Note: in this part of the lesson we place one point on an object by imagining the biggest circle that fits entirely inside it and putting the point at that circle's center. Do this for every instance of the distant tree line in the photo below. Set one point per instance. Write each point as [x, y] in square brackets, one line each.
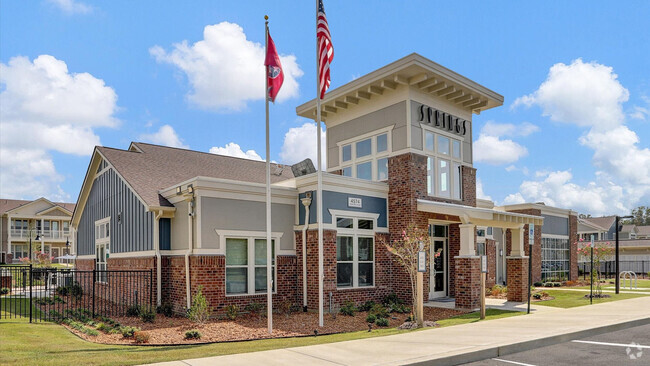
[641, 216]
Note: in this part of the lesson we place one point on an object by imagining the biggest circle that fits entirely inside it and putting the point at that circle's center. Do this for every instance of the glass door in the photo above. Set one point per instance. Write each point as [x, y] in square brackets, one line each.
[438, 263]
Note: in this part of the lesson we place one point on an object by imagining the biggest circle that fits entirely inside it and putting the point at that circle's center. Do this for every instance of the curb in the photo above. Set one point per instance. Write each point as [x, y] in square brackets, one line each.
[499, 351]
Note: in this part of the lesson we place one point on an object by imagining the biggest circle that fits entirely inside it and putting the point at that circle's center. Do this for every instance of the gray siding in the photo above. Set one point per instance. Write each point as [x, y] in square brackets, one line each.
[110, 196]
[555, 225]
[339, 201]
[229, 214]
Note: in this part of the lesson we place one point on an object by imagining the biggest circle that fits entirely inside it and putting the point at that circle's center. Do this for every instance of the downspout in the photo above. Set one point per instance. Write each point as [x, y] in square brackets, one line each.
[305, 202]
[156, 230]
[190, 250]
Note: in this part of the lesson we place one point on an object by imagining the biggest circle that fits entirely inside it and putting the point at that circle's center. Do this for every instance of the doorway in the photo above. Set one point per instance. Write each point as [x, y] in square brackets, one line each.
[439, 263]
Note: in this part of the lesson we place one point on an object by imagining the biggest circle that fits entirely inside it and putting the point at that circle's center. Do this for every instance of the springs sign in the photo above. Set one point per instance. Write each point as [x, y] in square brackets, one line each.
[442, 120]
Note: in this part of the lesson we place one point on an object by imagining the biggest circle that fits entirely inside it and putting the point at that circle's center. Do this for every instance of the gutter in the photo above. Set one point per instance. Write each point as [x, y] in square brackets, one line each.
[306, 202]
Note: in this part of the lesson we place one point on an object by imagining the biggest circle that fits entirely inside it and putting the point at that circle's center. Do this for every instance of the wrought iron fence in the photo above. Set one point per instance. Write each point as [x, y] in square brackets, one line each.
[608, 268]
[50, 293]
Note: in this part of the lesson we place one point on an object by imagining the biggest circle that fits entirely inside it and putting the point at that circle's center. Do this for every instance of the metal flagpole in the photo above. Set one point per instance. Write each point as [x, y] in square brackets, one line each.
[319, 187]
[269, 267]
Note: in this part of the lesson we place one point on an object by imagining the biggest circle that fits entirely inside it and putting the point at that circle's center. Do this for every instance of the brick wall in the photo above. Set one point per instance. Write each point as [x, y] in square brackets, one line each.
[468, 282]
[537, 245]
[173, 283]
[491, 252]
[573, 245]
[517, 274]
[85, 264]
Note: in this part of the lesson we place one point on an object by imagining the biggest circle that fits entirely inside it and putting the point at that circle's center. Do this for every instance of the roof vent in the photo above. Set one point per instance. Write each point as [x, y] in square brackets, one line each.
[303, 168]
[278, 170]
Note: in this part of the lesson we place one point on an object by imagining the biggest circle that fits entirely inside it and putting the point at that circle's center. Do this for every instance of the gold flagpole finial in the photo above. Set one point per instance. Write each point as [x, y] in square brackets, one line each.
[266, 17]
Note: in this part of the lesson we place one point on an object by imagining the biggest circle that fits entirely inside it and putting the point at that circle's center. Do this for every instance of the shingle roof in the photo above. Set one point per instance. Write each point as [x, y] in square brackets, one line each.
[643, 230]
[628, 228]
[9, 204]
[605, 222]
[157, 167]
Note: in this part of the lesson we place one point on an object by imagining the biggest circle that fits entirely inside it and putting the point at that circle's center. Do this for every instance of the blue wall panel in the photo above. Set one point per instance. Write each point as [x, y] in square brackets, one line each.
[339, 201]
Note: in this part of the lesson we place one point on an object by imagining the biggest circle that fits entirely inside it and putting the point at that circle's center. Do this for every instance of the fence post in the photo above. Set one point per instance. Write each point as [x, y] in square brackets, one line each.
[30, 293]
[94, 279]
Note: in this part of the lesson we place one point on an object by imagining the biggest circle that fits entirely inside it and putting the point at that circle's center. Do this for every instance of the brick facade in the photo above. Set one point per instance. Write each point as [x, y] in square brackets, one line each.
[573, 245]
[468, 282]
[491, 252]
[517, 277]
[537, 245]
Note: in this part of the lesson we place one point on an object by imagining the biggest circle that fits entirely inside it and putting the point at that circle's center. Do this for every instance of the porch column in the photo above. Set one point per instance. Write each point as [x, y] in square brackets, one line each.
[10, 255]
[468, 270]
[517, 264]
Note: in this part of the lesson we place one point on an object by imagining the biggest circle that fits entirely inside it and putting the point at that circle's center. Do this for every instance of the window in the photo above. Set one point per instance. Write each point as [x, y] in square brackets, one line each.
[367, 158]
[19, 251]
[555, 258]
[246, 265]
[355, 252]
[444, 165]
[102, 247]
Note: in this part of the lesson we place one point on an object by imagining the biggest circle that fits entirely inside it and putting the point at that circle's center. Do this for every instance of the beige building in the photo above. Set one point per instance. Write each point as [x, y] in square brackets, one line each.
[46, 222]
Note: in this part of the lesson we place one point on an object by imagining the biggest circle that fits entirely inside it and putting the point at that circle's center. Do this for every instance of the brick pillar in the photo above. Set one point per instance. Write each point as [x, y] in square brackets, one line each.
[491, 251]
[517, 274]
[573, 247]
[329, 266]
[468, 282]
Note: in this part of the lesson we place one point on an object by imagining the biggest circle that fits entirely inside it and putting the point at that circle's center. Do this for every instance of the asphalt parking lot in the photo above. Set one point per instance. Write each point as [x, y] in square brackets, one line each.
[625, 347]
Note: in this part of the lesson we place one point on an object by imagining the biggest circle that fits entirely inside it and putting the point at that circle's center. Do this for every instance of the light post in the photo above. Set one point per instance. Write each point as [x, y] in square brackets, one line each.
[38, 237]
[618, 228]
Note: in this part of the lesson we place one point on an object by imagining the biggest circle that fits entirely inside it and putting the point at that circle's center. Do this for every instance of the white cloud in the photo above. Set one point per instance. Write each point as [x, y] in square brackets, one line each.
[164, 136]
[479, 191]
[490, 148]
[44, 107]
[511, 168]
[508, 129]
[71, 6]
[589, 95]
[226, 70]
[301, 143]
[233, 149]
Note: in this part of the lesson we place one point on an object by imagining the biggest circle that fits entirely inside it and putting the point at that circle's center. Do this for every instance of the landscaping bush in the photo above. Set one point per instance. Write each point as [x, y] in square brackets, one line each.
[232, 311]
[62, 291]
[133, 310]
[537, 284]
[4, 291]
[399, 308]
[499, 290]
[382, 322]
[44, 301]
[548, 284]
[53, 314]
[571, 283]
[348, 308]
[128, 332]
[371, 318]
[199, 312]
[392, 298]
[166, 310]
[366, 306]
[557, 284]
[80, 327]
[58, 299]
[537, 296]
[286, 307]
[75, 290]
[147, 315]
[254, 309]
[193, 334]
[141, 337]
[379, 311]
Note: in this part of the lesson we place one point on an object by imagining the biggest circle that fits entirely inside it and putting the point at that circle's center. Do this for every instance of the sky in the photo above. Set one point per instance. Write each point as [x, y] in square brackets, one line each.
[573, 132]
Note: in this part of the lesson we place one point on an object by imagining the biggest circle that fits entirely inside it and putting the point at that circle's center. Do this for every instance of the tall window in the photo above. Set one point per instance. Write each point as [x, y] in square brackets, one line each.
[355, 252]
[366, 158]
[246, 266]
[102, 246]
[555, 258]
[443, 165]
[19, 251]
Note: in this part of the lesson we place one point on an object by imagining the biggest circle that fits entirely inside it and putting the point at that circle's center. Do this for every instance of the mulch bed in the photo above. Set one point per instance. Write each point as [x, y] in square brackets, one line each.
[171, 331]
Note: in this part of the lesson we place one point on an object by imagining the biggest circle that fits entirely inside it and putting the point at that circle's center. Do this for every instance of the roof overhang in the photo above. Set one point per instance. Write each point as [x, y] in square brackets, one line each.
[480, 216]
[590, 224]
[413, 70]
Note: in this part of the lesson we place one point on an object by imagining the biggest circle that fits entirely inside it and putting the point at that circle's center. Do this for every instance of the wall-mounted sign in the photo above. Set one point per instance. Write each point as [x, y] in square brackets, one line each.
[531, 234]
[355, 202]
[442, 120]
[422, 261]
[484, 266]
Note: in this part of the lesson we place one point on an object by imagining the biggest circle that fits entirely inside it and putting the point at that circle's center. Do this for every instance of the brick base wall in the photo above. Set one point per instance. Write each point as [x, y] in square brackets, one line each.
[573, 245]
[517, 278]
[468, 282]
[85, 264]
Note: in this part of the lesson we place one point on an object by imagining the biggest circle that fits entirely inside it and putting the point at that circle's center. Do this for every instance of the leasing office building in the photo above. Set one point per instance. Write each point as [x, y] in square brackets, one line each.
[399, 148]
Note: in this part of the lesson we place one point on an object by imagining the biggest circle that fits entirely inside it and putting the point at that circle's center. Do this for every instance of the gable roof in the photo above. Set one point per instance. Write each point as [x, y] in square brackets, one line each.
[643, 230]
[628, 228]
[148, 168]
[10, 204]
[605, 222]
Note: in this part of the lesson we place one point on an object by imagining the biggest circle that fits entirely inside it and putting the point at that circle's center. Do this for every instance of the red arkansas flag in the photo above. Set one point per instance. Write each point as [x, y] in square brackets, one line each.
[273, 69]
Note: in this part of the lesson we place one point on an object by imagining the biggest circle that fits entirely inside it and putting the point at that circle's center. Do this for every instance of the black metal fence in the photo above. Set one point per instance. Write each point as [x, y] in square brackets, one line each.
[608, 269]
[51, 293]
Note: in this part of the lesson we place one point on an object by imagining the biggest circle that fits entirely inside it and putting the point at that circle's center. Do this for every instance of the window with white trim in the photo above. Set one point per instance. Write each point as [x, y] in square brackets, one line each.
[20, 251]
[366, 158]
[102, 246]
[246, 265]
[355, 252]
[444, 164]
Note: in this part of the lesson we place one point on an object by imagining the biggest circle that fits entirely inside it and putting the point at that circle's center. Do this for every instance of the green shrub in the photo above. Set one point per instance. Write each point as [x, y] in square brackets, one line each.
[537, 296]
[254, 308]
[398, 308]
[4, 291]
[44, 301]
[199, 312]
[557, 284]
[55, 315]
[379, 311]
[371, 318]
[366, 306]
[80, 327]
[232, 311]
[128, 332]
[147, 315]
[548, 284]
[193, 334]
[381, 322]
[102, 327]
[133, 310]
[75, 290]
[62, 291]
[141, 337]
[58, 299]
[537, 284]
[348, 308]
[286, 307]
[166, 310]
[392, 298]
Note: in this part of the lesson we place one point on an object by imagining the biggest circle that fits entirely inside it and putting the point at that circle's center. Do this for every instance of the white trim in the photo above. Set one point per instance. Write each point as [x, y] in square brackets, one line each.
[101, 172]
[356, 214]
[250, 265]
[374, 133]
[89, 256]
[146, 253]
[555, 236]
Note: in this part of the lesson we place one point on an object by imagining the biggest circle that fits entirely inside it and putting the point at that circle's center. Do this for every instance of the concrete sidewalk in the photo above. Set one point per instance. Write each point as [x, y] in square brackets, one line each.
[456, 344]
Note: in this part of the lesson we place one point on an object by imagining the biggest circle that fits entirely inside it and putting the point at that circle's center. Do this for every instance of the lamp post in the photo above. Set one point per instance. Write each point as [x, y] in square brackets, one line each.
[38, 237]
[618, 228]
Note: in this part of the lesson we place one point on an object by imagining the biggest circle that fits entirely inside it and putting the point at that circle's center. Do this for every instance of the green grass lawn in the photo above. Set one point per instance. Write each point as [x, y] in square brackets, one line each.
[22, 343]
[571, 299]
[641, 284]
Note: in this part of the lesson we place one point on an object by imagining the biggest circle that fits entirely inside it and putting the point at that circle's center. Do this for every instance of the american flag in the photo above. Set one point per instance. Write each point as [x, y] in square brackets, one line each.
[325, 49]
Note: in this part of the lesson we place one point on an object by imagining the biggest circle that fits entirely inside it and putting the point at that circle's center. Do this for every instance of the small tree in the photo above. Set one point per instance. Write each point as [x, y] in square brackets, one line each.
[602, 251]
[199, 312]
[406, 249]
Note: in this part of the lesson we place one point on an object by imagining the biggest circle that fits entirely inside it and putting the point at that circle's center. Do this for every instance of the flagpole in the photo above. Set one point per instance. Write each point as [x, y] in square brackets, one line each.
[319, 187]
[269, 243]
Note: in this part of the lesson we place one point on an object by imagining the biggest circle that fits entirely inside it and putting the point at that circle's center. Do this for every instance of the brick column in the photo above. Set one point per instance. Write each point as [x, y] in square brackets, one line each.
[517, 275]
[329, 266]
[468, 282]
[573, 247]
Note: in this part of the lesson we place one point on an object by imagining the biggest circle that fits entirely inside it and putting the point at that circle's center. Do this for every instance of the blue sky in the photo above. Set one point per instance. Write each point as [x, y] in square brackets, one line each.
[574, 130]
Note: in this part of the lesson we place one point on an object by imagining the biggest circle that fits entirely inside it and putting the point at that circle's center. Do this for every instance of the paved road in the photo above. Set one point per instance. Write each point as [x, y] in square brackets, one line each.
[606, 349]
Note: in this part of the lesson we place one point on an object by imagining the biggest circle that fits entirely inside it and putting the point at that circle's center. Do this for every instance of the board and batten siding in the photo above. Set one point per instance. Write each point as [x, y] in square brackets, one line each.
[110, 196]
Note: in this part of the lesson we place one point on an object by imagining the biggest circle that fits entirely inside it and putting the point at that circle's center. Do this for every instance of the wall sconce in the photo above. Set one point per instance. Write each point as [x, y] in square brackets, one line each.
[178, 191]
[190, 189]
[500, 252]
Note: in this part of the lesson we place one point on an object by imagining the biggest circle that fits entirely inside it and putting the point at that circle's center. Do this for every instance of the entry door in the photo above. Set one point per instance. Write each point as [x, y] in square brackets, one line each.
[56, 253]
[438, 272]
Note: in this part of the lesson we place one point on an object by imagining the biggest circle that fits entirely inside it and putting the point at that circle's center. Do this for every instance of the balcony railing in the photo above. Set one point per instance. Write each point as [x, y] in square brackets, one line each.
[46, 234]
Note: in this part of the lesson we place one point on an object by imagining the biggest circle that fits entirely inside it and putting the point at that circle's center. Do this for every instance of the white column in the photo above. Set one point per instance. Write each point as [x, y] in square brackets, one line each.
[9, 251]
[467, 235]
[517, 242]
